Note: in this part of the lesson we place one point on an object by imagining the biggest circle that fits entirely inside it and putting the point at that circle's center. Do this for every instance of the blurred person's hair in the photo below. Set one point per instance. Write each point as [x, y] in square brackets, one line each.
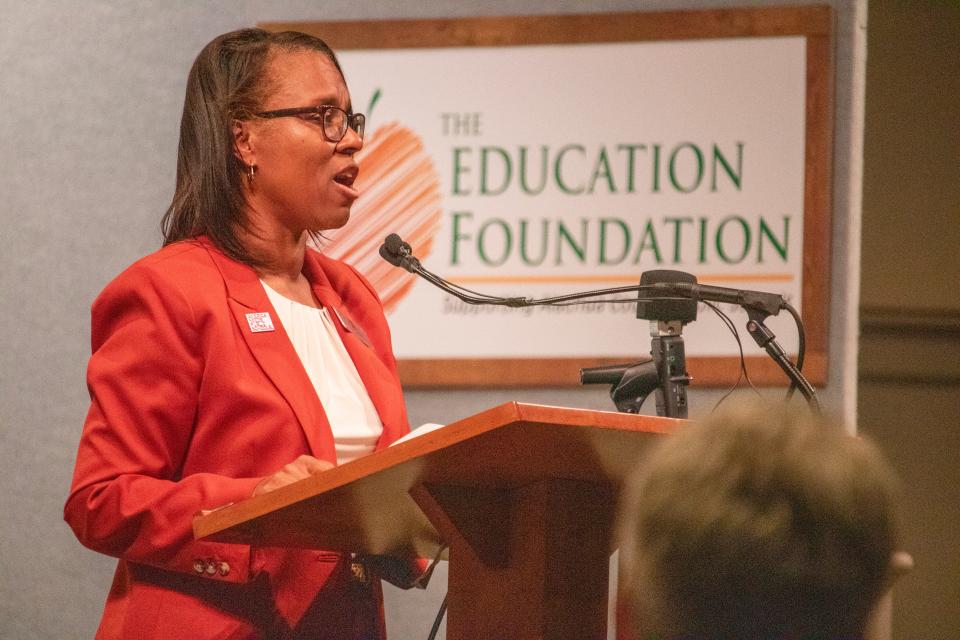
[757, 523]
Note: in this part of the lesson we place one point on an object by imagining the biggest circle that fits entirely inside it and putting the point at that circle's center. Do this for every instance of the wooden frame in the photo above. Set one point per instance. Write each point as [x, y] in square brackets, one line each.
[812, 22]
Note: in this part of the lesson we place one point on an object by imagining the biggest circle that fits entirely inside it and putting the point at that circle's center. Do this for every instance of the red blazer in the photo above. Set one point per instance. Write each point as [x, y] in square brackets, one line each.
[190, 409]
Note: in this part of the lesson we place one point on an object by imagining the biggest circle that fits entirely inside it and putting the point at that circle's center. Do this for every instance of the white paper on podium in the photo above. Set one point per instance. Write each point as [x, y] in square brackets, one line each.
[419, 431]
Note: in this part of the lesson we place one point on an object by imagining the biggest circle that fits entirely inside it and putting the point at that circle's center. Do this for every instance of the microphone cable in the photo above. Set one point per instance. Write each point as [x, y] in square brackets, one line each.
[801, 345]
[399, 253]
[438, 619]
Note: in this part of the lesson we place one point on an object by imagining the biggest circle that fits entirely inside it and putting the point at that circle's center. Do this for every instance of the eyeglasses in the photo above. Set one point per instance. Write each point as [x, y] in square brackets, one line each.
[334, 121]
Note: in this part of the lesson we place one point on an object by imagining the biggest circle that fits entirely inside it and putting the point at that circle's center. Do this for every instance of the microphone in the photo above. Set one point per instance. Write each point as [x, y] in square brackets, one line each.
[657, 293]
[655, 284]
[398, 253]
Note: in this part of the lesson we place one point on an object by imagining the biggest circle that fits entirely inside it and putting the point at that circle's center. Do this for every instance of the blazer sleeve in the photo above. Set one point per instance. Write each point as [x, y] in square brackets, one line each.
[127, 498]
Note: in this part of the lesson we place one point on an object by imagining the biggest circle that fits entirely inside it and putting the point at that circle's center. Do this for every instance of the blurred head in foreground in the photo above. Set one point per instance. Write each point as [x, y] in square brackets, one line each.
[757, 523]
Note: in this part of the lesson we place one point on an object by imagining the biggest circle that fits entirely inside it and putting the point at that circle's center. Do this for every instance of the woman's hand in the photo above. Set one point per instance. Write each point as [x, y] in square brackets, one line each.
[302, 467]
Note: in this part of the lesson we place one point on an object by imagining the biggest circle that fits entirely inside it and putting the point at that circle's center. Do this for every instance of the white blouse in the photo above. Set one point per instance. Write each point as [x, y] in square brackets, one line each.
[353, 418]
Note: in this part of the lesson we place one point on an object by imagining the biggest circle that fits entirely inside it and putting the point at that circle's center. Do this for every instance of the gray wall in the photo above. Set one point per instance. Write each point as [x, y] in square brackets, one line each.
[90, 96]
[910, 341]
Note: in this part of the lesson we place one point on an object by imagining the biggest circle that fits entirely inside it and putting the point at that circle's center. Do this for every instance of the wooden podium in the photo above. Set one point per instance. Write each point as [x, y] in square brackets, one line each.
[523, 495]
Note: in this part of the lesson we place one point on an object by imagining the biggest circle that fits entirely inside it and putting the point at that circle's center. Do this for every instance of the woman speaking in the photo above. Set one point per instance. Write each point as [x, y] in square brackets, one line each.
[236, 360]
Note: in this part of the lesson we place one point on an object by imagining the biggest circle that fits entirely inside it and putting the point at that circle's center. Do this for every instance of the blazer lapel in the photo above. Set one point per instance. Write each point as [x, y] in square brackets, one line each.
[273, 351]
[374, 374]
[377, 378]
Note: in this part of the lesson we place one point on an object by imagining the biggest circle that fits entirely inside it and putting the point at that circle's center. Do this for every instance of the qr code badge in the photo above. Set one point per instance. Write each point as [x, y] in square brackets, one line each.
[259, 322]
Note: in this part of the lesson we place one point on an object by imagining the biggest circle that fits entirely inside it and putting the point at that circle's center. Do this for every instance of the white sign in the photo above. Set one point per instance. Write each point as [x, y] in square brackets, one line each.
[542, 170]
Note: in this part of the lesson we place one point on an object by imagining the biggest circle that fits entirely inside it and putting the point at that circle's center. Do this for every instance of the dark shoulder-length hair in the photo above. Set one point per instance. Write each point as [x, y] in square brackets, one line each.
[226, 83]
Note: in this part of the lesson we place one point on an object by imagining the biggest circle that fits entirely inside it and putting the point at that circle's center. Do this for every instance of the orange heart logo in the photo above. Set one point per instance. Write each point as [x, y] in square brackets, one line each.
[399, 193]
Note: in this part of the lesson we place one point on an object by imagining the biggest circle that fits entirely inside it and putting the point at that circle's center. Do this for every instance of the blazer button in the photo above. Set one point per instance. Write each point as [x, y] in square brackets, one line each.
[199, 566]
[211, 568]
[224, 569]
